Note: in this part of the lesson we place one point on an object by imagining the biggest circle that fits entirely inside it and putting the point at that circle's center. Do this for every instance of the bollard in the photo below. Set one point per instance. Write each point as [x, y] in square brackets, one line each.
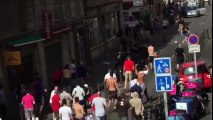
[159, 99]
[149, 114]
[207, 34]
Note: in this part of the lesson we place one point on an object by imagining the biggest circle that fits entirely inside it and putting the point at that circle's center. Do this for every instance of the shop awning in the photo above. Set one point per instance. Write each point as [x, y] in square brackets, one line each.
[26, 40]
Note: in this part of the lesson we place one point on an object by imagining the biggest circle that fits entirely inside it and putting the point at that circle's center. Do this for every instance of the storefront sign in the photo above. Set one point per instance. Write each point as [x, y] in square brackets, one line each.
[12, 58]
[47, 25]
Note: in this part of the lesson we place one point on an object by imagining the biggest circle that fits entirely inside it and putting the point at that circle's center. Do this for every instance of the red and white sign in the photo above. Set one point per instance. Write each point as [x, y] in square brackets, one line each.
[47, 25]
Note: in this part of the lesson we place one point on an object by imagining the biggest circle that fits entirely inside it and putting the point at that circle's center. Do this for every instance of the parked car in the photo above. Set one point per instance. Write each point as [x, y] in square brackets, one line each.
[187, 72]
[193, 10]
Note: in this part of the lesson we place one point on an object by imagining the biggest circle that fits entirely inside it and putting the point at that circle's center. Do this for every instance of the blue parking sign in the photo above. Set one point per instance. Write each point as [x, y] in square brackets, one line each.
[162, 66]
[163, 83]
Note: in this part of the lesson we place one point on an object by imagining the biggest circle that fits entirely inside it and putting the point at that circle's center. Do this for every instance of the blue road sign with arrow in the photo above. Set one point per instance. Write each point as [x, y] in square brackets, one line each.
[162, 66]
[163, 83]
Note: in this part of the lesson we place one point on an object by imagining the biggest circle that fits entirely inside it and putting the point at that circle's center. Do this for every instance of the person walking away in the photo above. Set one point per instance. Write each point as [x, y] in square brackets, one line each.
[79, 92]
[67, 75]
[72, 67]
[100, 104]
[82, 71]
[28, 102]
[97, 93]
[57, 76]
[78, 108]
[65, 95]
[137, 88]
[3, 108]
[122, 107]
[165, 24]
[56, 103]
[141, 72]
[107, 76]
[128, 68]
[65, 112]
[123, 44]
[136, 106]
[180, 56]
[39, 92]
[112, 86]
[52, 94]
[151, 55]
[185, 32]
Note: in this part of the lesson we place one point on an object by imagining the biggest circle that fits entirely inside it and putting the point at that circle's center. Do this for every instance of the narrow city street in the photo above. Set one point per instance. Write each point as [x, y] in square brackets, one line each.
[83, 32]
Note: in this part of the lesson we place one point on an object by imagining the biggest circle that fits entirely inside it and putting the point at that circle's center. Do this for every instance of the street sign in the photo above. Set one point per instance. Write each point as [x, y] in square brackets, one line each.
[162, 66]
[132, 21]
[163, 83]
[193, 39]
[194, 48]
[131, 18]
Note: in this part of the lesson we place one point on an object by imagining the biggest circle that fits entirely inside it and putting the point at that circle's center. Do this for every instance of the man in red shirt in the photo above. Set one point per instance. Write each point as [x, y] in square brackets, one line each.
[128, 69]
[56, 104]
[28, 101]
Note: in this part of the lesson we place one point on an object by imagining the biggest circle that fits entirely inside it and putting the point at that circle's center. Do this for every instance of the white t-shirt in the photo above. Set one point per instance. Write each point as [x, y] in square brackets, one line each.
[107, 76]
[65, 112]
[132, 82]
[78, 92]
[51, 95]
[99, 102]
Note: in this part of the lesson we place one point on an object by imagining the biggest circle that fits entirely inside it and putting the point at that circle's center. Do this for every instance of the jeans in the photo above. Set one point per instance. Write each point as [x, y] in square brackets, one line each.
[29, 113]
[100, 118]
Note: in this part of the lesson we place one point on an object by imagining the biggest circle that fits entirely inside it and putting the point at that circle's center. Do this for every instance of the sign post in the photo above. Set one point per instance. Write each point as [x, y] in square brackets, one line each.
[194, 47]
[163, 78]
[132, 25]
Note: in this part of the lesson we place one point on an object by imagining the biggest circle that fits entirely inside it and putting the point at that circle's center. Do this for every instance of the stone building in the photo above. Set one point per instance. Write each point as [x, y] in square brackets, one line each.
[50, 33]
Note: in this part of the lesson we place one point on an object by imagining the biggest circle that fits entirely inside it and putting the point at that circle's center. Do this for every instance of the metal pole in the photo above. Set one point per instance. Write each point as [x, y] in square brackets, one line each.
[195, 61]
[165, 105]
[120, 74]
[132, 37]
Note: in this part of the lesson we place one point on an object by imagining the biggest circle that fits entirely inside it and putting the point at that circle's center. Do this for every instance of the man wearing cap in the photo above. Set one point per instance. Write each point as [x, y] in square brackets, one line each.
[128, 68]
[136, 105]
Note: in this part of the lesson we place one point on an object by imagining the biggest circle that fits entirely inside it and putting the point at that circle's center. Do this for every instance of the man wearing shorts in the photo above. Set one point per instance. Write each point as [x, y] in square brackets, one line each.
[180, 56]
[112, 87]
[128, 68]
[151, 56]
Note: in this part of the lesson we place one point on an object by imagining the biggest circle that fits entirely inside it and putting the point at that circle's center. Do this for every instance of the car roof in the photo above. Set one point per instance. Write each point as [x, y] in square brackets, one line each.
[191, 4]
[192, 64]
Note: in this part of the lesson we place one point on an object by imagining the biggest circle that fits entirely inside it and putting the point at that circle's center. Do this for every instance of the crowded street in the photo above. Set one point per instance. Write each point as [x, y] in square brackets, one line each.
[116, 79]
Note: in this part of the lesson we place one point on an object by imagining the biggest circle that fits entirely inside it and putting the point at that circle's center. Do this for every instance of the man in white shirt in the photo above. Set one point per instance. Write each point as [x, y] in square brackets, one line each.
[107, 76]
[65, 112]
[132, 83]
[79, 92]
[100, 104]
[65, 95]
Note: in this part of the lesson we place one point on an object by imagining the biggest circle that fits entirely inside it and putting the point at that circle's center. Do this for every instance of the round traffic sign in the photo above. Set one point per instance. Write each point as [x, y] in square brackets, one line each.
[193, 39]
[131, 18]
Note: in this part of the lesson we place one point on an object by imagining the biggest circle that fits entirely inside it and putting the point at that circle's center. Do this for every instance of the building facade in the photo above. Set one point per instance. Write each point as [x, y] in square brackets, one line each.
[50, 33]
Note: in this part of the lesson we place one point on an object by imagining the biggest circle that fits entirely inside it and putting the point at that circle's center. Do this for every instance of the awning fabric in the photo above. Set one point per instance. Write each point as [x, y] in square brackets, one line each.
[26, 40]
